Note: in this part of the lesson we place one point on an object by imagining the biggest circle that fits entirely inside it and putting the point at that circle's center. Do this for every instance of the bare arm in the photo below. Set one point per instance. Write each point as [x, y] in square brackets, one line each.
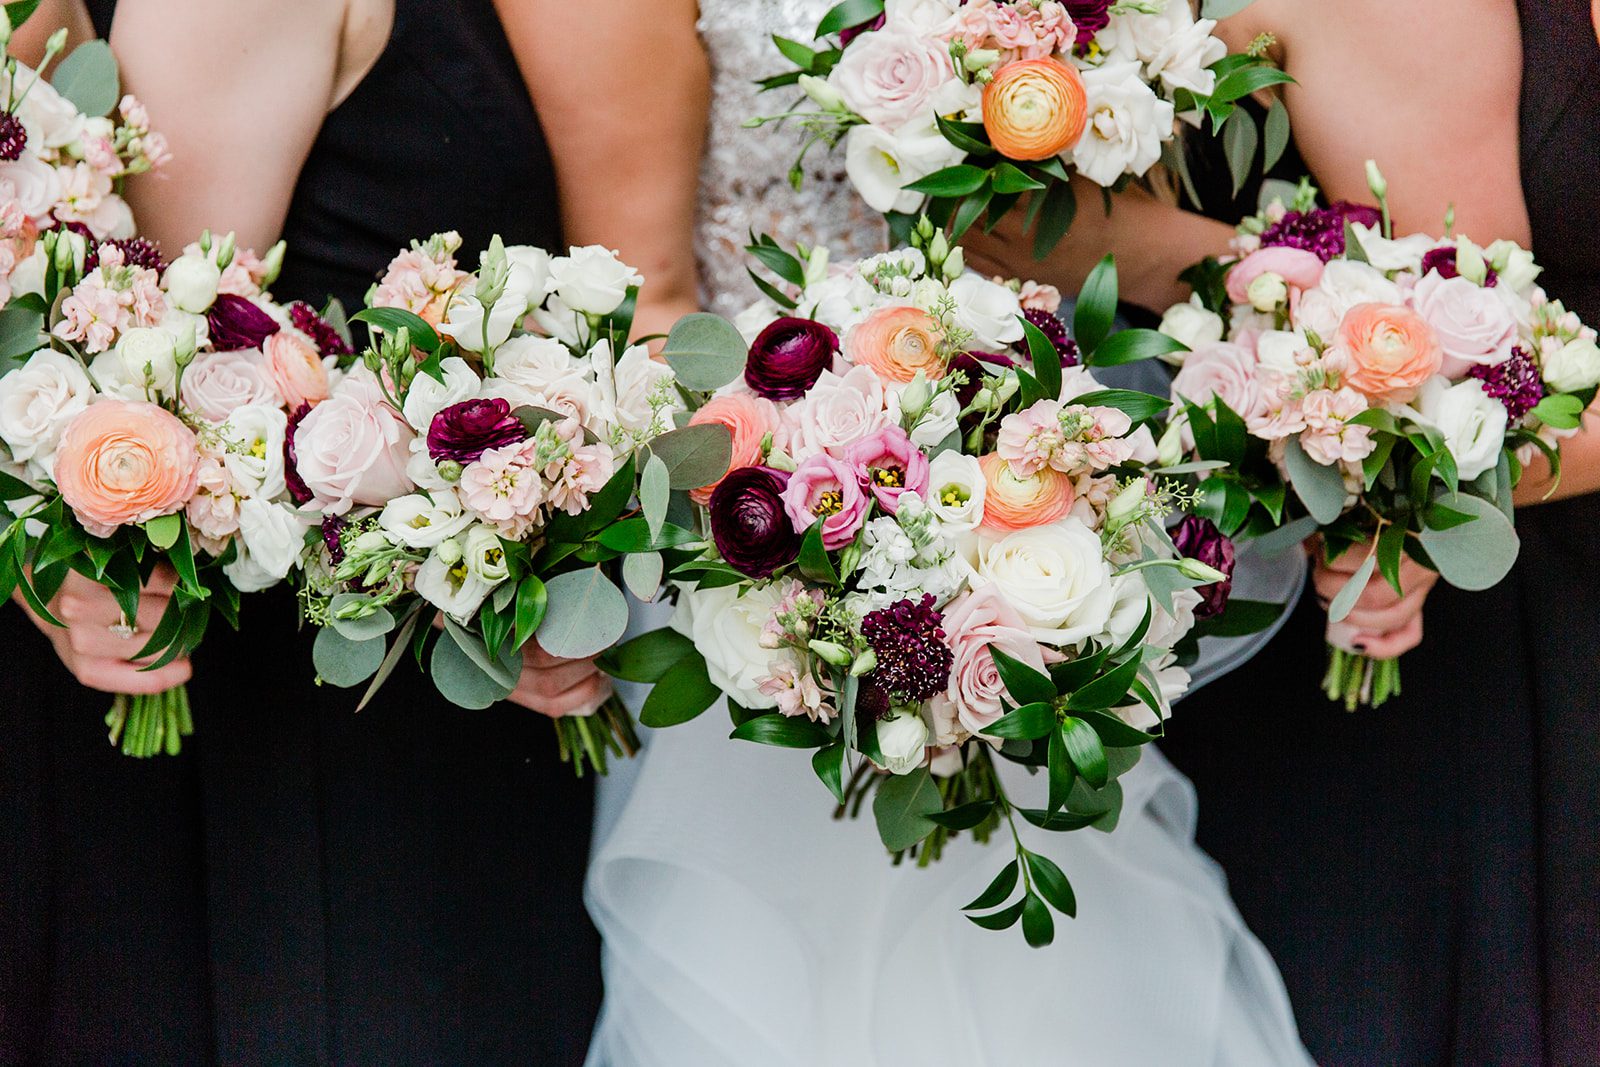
[626, 126]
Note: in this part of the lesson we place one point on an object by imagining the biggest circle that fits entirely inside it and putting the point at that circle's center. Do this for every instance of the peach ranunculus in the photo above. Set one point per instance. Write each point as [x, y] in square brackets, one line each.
[749, 419]
[124, 462]
[1034, 108]
[897, 342]
[295, 367]
[1011, 502]
[1390, 350]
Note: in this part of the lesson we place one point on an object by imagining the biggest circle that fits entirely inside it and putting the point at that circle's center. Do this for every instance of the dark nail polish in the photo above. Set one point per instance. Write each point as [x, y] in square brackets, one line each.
[1360, 646]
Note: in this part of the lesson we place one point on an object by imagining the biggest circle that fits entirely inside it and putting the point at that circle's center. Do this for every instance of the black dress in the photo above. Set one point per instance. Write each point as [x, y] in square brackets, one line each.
[304, 884]
[1427, 874]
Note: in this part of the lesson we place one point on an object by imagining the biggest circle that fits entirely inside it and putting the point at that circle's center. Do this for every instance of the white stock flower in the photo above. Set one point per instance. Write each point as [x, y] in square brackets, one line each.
[1126, 127]
[428, 396]
[591, 279]
[1056, 578]
[419, 520]
[451, 587]
[37, 401]
[990, 311]
[726, 628]
[1174, 47]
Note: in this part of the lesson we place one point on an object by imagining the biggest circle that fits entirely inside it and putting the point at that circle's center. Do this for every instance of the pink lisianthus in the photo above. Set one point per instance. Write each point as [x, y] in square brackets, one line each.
[830, 490]
[972, 700]
[1328, 437]
[1298, 268]
[796, 692]
[504, 488]
[584, 471]
[889, 464]
[213, 511]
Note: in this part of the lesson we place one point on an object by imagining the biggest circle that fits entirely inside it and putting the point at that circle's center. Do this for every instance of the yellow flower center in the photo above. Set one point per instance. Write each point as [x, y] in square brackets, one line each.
[829, 503]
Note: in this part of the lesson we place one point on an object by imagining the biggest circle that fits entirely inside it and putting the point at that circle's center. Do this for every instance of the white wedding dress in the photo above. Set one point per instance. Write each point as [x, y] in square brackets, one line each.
[744, 927]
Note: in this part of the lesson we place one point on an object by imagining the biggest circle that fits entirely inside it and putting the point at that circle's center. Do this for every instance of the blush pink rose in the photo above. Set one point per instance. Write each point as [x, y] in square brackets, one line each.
[972, 624]
[1298, 268]
[296, 368]
[1224, 371]
[889, 77]
[837, 412]
[352, 448]
[749, 418]
[218, 382]
[1474, 325]
[124, 462]
[830, 490]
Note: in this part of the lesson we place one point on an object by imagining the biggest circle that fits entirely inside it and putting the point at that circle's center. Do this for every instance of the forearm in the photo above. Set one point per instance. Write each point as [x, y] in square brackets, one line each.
[27, 43]
[1580, 467]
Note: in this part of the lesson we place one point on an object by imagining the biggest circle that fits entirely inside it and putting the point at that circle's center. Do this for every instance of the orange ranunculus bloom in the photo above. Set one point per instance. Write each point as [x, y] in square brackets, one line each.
[1014, 503]
[896, 342]
[1392, 350]
[1034, 108]
[123, 462]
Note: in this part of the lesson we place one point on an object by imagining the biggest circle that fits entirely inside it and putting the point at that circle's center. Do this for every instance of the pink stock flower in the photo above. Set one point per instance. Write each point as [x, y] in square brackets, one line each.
[830, 490]
[1019, 31]
[1029, 439]
[504, 488]
[1036, 297]
[420, 282]
[972, 624]
[1298, 268]
[796, 692]
[1068, 438]
[109, 300]
[584, 471]
[889, 464]
[1328, 438]
[213, 511]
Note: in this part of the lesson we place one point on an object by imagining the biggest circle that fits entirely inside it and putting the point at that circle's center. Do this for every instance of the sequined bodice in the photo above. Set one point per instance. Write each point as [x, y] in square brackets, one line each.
[744, 180]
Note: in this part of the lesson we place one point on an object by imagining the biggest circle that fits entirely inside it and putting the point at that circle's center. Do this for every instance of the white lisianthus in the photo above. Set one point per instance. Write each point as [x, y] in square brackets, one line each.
[1573, 367]
[880, 163]
[254, 436]
[1126, 127]
[191, 283]
[429, 396]
[1514, 264]
[1055, 577]
[989, 310]
[1402, 253]
[484, 555]
[956, 489]
[464, 322]
[726, 627]
[939, 418]
[1192, 324]
[27, 277]
[1472, 422]
[530, 271]
[903, 740]
[592, 279]
[755, 318]
[142, 365]
[561, 322]
[1173, 46]
[421, 469]
[269, 542]
[37, 401]
[424, 520]
[444, 581]
[624, 389]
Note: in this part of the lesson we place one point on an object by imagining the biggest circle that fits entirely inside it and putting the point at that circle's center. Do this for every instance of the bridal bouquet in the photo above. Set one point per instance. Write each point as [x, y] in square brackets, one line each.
[962, 108]
[144, 420]
[478, 462]
[1397, 386]
[933, 544]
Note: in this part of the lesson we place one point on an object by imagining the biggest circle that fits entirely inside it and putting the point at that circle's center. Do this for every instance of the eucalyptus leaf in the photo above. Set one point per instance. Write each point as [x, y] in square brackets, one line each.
[586, 614]
[461, 680]
[1320, 488]
[88, 78]
[694, 455]
[902, 806]
[1347, 596]
[375, 624]
[1290, 535]
[655, 492]
[641, 573]
[505, 668]
[705, 351]
[342, 662]
[1475, 555]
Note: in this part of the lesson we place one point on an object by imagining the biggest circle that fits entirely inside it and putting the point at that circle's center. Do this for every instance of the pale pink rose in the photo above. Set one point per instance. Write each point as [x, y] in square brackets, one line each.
[296, 368]
[1474, 325]
[214, 509]
[1298, 268]
[125, 462]
[583, 473]
[1328, 438]
[837, 412]
[749, 419]
[830, 490]
[1036, 297]
[1224, 371]
[796, 692]
[504, 488]
[218, 382]
[353, 447]
[972, 624]
[889, 77]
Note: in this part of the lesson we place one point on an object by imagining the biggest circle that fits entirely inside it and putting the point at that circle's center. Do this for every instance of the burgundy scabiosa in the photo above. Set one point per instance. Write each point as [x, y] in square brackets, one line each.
[13, 137]
[298, 490]
[1321, 231]
[1514, 382]
[321, 332]
[332, 530]
[1198, 538]
[908, 639]
[788, 357]
[872, 701]
[463, 432]
[1054, 329]
[1443, 260]
[749, 523]
[136, 252]
[237, 324]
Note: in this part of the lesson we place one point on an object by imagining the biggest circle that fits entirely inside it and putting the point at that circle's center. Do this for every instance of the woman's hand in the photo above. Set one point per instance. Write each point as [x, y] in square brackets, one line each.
[557, 687]
[1383, 624]
[93, 651]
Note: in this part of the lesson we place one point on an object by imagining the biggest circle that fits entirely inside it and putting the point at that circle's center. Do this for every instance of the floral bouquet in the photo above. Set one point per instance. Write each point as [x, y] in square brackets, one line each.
[933, 545]
[962, 108]
[1397, 386]
[144, 420]
[480, 461]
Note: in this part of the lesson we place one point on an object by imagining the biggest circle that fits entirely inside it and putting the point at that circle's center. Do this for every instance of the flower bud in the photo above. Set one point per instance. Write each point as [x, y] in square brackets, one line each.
[865, 663]
[831, 652]
[816, 266]
[955, 264]
[272, 264]
[1267, 291]
[980, 59]
[914, 400]
[903, 741]
[450, 470]
[1128, 503]
[191, 283]
[371, 541]
[1375, 180]
[938, 248]
[225, 250]
[449, 552]
[1470, 263]
[1193, 568]
[1169, 450]
[779, 460]
[822, 94]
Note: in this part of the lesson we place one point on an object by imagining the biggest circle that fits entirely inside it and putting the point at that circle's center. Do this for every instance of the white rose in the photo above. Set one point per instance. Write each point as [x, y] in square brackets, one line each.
[464, 322]
[956, 489]
[592, 279]
[50, 119]
[33, 184]
[218, 382]
[540, 372]
[879, 163]
[1345, 283]
[451, 587]
[254, 436]
[990, 311]
[270, 538]
[1127, 125]
[1514, 264]
[143, 362]
[1055, 577]
[1404, 253]
[530, 270]
[889, 77]
[1472, 422]
[1192, 324]
[919, 16]
[1573, 367]
[726, 628]
[484, 555]
[37, 400]
[1174, 47]
[27, 277]
[191, 283]
[416, 521]
[903, 740]
[428, 396]
[623, 389]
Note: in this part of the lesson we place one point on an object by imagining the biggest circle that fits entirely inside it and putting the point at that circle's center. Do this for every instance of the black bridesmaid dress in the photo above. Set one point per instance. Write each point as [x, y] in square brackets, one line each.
[1427, 874]
[305, 884]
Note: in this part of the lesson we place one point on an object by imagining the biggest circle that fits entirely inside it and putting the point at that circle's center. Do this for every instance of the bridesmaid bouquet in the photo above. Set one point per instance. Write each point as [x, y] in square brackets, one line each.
[1397, 386]
[479, 463]
[961, 108]
[933, 544]
[144, 420]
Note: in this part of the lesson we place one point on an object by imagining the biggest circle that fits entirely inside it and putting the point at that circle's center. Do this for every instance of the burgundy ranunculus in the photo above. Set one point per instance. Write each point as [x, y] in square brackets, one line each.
[236, 324]
[1443, 260]
[298, 491]
[465, 431]
[1198, 538]
[749, 524]
[788, 357]
[1089, 16]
